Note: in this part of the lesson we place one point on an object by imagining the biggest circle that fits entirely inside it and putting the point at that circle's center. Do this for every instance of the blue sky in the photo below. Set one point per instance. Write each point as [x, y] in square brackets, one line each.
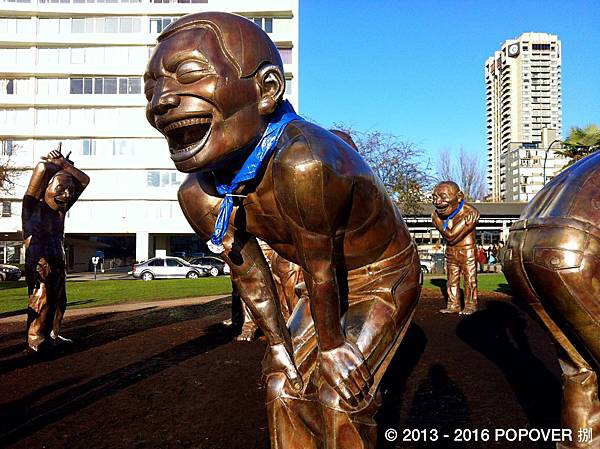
[415, 68]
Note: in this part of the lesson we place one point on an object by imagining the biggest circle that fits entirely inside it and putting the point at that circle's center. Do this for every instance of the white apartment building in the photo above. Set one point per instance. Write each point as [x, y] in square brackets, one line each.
[71, 71]
[523, 110]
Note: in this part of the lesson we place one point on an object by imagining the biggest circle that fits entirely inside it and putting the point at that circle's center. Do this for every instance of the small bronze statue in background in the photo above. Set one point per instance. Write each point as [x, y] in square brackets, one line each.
[456, 221]
[54, 187]
[552, 260]
[215, 86]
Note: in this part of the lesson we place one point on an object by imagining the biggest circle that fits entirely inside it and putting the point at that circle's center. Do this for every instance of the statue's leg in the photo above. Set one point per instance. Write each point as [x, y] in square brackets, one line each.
[347, 430]
[59, 292]
[580, 409]
[39, 314]
[469, 269]
[453, 287]
[249, 327]
[381, 303]
[295, 420]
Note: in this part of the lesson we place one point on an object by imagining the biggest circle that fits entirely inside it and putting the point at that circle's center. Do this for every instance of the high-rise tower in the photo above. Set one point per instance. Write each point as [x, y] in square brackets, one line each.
[523, 115]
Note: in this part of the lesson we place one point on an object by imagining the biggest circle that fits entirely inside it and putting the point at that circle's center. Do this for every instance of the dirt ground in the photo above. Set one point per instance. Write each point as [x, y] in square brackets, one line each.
[173, 377]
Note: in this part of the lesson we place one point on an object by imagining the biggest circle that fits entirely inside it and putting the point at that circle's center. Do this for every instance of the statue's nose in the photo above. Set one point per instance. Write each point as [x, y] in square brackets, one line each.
[165, 101]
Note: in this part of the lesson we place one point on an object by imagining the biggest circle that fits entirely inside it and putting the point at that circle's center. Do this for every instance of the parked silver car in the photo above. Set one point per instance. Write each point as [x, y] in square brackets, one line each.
[9, 273]
[214, 265]
[167, 267]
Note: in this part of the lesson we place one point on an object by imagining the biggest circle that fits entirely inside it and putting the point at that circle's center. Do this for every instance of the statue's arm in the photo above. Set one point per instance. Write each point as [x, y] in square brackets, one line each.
[250, 274]
[461, 227]
[42, 173]
[48, 167]
[314, 200]
[464, 227]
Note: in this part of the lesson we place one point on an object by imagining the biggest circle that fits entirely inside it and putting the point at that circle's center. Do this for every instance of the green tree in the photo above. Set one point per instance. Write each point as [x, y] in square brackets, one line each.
[581, 142]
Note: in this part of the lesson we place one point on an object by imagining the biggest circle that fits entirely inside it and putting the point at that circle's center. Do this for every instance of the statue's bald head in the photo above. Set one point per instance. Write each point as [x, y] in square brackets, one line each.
[451, 184]
[244, 43]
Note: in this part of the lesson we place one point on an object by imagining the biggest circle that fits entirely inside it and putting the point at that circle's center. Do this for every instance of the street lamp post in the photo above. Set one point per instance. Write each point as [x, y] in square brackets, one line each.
[546, 157]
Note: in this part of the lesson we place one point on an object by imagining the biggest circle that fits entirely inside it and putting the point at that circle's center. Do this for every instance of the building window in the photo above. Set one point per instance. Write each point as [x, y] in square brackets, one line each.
[158, 24]
[266, 23]
[106, 85]
[6, 212]
[14, 86]
[540, 46]
[7, 148]
[286, 55]
[156, 178]
[123, 148]
[88, 148]
[76, 86]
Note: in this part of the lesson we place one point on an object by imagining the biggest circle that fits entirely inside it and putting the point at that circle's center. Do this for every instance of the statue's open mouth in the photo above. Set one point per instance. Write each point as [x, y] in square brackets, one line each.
[60, 202]
[443, 209]
[186, 137]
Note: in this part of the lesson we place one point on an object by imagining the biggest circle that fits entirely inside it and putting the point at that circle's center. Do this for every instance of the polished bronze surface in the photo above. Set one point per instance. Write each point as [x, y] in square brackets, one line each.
[456, 222]
[213, 84]
[552, 260]
[54, 187]
[288, 278]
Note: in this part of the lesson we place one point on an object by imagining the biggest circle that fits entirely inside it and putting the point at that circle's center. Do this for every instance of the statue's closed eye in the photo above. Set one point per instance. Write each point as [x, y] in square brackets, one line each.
[191, 71]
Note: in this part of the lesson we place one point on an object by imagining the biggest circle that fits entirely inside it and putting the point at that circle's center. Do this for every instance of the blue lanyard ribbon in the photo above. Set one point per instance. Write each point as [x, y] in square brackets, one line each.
[453, 214]
[283, 115]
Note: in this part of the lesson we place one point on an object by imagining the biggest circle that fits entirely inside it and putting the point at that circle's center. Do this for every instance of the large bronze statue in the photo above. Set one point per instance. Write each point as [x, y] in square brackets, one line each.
[552, 260]
[456, 221]
[215, 86]
[54, 187]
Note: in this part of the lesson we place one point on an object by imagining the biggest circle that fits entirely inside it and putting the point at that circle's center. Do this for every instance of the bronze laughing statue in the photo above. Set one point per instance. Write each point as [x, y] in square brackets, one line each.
[552, 260]
[54, 187]
[215, 86]
[456, 221]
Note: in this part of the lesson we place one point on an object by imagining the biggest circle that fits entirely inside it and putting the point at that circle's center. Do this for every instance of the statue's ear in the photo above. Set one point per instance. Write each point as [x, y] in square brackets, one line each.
[461, 195]
[272, 87]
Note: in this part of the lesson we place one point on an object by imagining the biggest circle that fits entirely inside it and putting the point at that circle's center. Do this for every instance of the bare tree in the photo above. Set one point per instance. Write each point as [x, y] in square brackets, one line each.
[445, 170]
[468, 172]
[398, 163]
[8, 171]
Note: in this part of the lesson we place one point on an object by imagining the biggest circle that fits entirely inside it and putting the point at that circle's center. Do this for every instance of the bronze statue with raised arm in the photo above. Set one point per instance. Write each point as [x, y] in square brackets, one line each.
[552, 260]
[54, 187]
[215, 86]
[456, 221]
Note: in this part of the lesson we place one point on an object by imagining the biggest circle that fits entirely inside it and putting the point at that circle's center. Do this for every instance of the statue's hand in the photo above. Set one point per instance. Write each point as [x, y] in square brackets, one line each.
[472, 217]
[56, 157]
[344, 368]
[278, 359]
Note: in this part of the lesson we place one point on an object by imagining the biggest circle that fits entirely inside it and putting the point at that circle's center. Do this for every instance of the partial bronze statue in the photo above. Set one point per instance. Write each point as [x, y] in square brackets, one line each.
[552, 260]
[290, 286]
[54, 187]
[215, 85]
[456, 221]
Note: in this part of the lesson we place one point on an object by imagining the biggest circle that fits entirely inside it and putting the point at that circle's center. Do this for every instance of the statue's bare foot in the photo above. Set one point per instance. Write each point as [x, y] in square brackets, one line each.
[469, 310]
[450, 310]
[248, 332]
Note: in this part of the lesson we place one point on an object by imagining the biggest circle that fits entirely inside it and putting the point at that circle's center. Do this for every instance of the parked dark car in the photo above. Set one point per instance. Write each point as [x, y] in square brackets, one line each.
[9, 273]
[214, 265]
[166, 268]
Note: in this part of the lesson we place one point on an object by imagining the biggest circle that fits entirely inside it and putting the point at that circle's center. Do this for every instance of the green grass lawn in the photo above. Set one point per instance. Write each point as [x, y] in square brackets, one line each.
[13, 295]
[486, 282]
